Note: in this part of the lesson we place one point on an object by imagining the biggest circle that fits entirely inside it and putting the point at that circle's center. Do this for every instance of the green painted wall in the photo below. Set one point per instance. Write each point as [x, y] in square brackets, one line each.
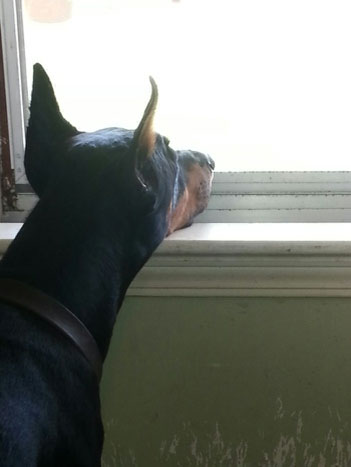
[229, 382]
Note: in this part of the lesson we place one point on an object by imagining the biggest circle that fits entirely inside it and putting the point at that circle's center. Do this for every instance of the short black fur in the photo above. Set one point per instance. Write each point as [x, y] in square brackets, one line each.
[105, 202]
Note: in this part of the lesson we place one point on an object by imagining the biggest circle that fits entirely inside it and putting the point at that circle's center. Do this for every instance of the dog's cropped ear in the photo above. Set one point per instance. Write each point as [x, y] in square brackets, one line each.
[47, 131]
[144, 138]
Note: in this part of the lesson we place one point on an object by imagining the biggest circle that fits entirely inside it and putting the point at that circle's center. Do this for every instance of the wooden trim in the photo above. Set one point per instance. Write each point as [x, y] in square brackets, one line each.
[260, 260]
[252, 260]
[8, 190]
[15, 82]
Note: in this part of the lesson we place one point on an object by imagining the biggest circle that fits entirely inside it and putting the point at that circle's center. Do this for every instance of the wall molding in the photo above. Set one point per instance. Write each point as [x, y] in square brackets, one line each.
[244, 260]
[236, 260]
[249, 281]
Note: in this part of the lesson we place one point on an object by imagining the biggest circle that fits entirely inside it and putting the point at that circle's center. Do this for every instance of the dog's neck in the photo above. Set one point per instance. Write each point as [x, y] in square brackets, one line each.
[84, 265]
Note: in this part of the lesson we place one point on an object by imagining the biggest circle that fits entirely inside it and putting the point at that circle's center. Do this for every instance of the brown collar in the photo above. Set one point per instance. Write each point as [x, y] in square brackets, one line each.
[17, 293]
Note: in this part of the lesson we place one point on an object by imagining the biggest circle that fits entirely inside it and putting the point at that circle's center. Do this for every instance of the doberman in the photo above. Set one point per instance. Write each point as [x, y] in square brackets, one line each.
[107, 199]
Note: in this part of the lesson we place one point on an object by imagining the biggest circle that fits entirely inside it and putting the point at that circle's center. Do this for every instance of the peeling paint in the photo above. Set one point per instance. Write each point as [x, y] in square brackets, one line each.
[214, 448]
[173, 446]
[280, 411]
[299, 427]
[241, 453]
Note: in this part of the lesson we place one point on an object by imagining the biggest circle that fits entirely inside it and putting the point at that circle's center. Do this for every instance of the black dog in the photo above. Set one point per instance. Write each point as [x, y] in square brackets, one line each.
[106, 200]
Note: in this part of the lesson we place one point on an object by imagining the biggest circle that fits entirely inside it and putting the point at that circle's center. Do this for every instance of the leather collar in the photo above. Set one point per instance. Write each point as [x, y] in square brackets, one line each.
[22, 295]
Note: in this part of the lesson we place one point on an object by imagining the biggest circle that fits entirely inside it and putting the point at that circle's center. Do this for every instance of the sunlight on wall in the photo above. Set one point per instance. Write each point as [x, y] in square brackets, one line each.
[258, 85]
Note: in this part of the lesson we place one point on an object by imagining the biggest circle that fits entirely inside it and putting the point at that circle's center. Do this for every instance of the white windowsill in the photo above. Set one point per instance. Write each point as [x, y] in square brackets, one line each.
[262, 232]
[297, 260]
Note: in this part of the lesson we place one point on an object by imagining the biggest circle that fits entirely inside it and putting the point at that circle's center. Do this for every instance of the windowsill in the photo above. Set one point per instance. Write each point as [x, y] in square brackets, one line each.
[244, 260]
[261, 232]
[297, 260]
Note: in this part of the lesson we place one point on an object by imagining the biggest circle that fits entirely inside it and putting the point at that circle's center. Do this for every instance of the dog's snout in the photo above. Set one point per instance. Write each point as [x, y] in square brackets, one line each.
[211, 163]
[204, 160]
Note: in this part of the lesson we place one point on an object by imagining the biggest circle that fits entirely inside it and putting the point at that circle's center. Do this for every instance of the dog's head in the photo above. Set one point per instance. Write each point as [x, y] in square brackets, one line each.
[132, 177]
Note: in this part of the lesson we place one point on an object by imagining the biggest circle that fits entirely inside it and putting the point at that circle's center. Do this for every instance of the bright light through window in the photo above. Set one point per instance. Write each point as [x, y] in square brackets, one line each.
[260, 85]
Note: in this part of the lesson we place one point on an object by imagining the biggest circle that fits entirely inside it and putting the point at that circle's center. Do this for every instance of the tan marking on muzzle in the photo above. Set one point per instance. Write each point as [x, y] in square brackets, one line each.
[194, 199]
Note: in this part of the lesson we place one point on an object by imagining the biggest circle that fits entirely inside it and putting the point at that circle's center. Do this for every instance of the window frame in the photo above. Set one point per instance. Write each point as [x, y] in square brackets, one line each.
[15, 82]
[237, 196]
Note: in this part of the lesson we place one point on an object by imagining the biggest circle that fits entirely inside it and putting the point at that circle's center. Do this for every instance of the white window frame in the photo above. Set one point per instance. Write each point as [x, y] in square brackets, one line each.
[280, 197]
[237, 196]
[15, 82]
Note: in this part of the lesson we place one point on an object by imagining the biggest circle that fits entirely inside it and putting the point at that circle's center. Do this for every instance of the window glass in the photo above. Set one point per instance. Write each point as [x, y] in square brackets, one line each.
[260, 85]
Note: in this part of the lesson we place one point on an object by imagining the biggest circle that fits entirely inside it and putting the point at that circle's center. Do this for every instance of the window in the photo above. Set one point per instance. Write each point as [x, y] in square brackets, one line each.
[261, 86]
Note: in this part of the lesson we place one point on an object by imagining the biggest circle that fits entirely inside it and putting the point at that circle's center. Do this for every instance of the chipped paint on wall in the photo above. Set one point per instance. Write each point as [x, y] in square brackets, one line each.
[189, 448]
[195, 382]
